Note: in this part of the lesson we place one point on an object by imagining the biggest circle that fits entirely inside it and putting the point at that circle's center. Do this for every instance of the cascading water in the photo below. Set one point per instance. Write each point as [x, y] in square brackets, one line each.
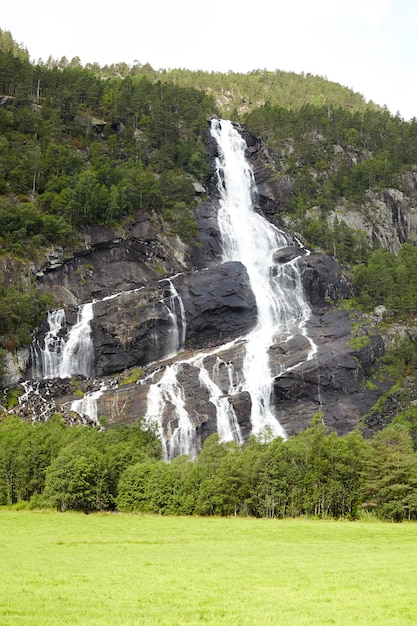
[181, 438]
[178, 325]
[249, 238]
[236, 374]
[282, 310]
[169, 391]
[46, 361]
[87, 406]
[227, 424]
[77, 356]
[65, 354]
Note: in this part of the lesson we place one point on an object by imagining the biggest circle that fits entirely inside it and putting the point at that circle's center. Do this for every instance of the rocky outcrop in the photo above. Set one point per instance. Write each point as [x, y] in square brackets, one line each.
[15, 366]
[218, 307]
[274, 189]
[333, 382]
[388, 217]
[208, 250]
[324, 279]
[135, 328]
[110, 260]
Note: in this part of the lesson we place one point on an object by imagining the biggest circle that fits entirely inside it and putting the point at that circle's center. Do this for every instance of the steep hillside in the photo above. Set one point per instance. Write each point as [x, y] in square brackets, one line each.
[108, 185]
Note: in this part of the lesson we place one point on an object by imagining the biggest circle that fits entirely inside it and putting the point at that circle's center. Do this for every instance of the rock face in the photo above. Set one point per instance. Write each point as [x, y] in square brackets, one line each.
[111, 261]
[134, 328]
[157, 303]
[324, 280]
[389, 217]
[333, 382]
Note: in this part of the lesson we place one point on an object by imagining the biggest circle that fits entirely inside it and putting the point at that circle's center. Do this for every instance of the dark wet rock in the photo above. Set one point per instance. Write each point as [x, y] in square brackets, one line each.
[109, 261]
[135, 327]
[332, 382]
[285, 255]
[324, 279]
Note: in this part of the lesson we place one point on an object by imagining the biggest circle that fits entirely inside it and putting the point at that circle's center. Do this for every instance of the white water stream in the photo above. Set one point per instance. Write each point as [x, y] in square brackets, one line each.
[88, 406]
[168, 391]
[65, 353]
[281, 304]
[68, 352]
[178, 325]
[278, 290]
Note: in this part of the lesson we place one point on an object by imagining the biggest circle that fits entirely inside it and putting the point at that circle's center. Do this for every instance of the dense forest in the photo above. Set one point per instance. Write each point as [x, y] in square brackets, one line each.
[82, 145]
[315, 473]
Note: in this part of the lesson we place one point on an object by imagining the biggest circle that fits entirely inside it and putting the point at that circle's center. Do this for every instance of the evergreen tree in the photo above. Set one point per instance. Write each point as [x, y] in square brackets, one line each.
[391, 476]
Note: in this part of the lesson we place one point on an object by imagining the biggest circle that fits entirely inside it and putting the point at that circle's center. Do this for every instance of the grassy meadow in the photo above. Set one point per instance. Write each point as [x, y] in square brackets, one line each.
[124, 569]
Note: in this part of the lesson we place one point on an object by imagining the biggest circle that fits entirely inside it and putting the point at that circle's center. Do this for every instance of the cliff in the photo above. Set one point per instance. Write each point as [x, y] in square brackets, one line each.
[159, 304]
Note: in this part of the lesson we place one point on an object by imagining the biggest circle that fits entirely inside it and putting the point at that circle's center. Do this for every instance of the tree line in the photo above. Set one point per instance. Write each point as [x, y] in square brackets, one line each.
[77, 149]
[316, 473]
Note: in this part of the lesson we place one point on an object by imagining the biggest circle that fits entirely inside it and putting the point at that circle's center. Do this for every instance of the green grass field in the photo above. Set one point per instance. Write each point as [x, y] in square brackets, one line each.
[120, 569]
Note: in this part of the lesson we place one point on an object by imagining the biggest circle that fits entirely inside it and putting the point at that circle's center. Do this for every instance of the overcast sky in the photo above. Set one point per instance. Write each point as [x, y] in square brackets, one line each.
[368, 45]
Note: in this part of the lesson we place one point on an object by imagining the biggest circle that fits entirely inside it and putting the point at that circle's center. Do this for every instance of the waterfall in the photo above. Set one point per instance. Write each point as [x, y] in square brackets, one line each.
[69, 352]
[65, 353]
[282, 311]
[87, 406]
[236, 374]
[179, 439]
[178, 325]
[249, 238]
[48, 364]
[227, 424]
[169, 392]
[77, 357]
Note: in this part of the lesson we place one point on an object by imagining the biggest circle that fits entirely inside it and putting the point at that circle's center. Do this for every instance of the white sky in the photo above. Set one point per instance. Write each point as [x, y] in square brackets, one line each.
[368, 45]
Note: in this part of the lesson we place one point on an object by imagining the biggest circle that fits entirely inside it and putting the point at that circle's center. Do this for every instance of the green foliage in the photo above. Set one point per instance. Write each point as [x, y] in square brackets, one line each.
[334, 156]
[408, 418]
[95, 151]
[77, 149]
[132, 491]
[283, 90]
[133, 376]
[316, 473]
[400, 362]
[21, 309]
[52, 464]
[358, 343]
[9, 46]
[158, 488]
[346, 244]
[11, 396]
[78, 479]
[23, 228]
[390, 280]
[391, 483]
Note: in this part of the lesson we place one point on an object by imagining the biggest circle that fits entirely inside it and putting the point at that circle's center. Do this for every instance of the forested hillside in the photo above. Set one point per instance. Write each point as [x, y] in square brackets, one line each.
[315, 473]
[78, 149]
[91, 145]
